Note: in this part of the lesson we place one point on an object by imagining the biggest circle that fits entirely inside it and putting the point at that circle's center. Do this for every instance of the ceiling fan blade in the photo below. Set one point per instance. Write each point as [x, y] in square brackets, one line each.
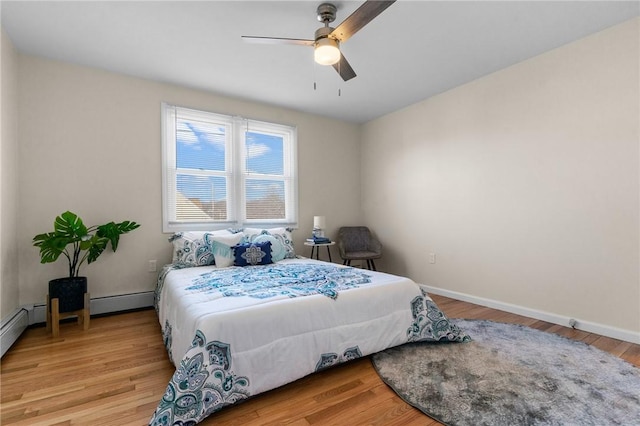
[344, 69]
[278, 40]
[358, 19]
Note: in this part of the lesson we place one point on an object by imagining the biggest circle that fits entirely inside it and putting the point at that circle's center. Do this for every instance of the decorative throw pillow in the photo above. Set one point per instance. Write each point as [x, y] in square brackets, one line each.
[252, 254]
[190, 249]
[278, 252]
[221, 246]
[283, 235]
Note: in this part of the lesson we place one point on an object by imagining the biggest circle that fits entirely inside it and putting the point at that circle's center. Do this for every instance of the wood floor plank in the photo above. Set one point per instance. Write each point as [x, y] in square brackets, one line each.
[116, 372]
[632, 355]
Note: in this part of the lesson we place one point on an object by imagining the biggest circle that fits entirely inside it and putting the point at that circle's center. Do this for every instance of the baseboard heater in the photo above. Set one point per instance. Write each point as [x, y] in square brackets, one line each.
[102, 305]
[12, 328]
[25, 316]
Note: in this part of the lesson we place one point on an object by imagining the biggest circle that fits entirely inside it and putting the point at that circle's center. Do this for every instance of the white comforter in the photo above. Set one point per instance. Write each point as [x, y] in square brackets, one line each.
[229, 342]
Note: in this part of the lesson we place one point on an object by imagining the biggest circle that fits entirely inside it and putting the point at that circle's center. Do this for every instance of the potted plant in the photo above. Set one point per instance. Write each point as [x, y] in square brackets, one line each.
[79, 244]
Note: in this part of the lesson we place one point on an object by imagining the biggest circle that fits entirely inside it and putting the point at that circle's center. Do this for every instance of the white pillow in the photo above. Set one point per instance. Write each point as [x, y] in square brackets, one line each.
[220, 246]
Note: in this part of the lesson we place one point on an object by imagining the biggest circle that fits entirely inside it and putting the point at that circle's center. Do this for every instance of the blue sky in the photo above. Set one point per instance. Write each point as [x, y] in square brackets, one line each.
[201, 146]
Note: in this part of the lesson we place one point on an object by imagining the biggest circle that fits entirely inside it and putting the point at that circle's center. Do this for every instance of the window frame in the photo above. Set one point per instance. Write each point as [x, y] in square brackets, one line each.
[235, 171]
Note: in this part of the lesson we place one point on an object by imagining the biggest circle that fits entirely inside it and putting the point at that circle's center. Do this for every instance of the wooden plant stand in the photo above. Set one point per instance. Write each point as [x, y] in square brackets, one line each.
[54, 316]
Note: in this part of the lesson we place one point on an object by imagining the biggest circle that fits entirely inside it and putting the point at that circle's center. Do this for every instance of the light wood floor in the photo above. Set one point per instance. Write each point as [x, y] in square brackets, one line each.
[116, 372]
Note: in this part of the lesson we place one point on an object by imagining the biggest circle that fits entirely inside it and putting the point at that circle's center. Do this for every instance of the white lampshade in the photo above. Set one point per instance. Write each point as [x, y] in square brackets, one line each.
[319, 222]
[326, 51]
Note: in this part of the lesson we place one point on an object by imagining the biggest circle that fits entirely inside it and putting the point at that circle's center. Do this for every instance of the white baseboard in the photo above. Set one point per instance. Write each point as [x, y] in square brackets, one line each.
[591, 327]
[12, 328]
[100, 305]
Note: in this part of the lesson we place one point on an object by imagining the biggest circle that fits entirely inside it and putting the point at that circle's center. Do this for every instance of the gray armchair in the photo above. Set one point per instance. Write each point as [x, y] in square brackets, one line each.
[357, 243]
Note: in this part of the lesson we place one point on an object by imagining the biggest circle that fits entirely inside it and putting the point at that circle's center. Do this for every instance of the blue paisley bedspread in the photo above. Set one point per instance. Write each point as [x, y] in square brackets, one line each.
[236, 332]
[290, 280]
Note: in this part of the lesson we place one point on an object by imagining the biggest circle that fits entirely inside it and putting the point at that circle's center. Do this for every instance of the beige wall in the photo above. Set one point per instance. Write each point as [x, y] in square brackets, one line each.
[90, 143]
[525, 184]
[8, 179]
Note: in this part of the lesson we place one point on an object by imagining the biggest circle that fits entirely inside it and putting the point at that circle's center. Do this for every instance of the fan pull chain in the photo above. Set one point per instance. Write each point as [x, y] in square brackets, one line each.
[314, 76]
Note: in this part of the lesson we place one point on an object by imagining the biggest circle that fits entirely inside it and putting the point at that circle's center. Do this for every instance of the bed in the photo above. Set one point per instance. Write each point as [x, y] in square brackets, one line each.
[234, 332]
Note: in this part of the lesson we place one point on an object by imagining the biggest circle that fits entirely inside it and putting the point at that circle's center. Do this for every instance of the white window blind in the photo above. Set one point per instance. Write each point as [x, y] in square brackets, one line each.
[221, 171]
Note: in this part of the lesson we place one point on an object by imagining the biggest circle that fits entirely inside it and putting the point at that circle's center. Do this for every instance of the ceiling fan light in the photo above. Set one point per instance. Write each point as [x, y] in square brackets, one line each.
[326, 51]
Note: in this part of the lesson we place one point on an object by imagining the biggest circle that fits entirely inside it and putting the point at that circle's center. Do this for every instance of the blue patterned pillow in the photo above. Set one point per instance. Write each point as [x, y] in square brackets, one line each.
[252, 254]
[278, 251]
[283, 235]
[191, 249]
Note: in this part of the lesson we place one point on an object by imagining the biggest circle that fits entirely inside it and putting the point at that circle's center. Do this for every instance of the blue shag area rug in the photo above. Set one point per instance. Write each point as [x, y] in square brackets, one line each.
[513, 375]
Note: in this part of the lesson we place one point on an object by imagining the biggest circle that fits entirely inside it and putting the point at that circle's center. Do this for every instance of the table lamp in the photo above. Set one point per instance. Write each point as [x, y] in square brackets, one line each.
[319, 224]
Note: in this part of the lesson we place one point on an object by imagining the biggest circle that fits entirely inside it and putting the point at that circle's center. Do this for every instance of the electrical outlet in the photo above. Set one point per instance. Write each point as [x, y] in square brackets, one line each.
[432, 258]
[152, 266]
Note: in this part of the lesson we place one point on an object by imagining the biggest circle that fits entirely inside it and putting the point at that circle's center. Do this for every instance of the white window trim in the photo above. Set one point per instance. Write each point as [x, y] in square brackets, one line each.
[236, 163]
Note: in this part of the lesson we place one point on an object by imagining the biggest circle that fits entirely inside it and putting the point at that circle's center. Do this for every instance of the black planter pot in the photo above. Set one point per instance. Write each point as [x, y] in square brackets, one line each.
[69, 291]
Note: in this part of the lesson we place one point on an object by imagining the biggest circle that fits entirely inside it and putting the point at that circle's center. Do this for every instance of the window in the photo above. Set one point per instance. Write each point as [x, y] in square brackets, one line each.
[221, 171]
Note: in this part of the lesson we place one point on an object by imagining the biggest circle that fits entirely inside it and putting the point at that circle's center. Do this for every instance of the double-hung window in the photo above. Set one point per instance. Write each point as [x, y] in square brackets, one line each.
[222, 171]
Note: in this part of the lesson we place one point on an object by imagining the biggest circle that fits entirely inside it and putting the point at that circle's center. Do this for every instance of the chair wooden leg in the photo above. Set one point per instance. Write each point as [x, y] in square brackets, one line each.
[373, 265]
[55, 317]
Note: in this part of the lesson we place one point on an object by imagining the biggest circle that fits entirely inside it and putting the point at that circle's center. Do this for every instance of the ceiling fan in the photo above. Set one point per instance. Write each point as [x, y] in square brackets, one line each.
[326, 41]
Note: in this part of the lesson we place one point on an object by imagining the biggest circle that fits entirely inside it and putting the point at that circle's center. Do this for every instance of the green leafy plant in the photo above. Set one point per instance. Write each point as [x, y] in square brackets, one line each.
[77, 242]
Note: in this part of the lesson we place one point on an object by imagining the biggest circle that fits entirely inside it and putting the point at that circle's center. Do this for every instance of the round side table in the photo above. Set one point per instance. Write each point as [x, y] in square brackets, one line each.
[316, 248]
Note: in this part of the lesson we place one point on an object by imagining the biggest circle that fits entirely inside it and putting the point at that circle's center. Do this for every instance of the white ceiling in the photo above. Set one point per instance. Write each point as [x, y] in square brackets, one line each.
[413, 50]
